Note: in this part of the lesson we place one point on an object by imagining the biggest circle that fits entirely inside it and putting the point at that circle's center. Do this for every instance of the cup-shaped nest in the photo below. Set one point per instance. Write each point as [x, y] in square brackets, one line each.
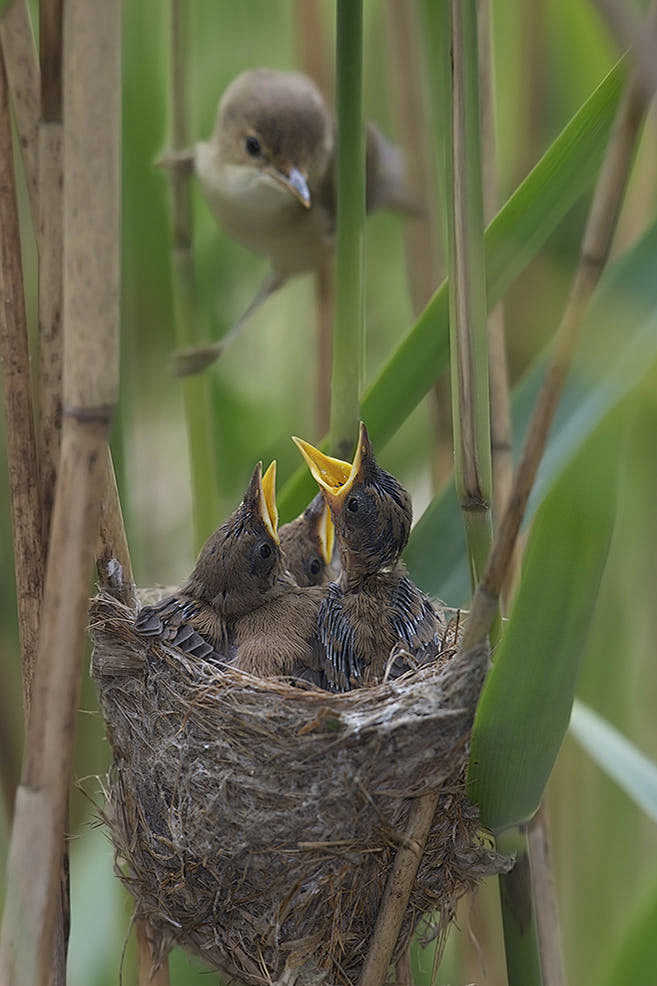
[255, 823]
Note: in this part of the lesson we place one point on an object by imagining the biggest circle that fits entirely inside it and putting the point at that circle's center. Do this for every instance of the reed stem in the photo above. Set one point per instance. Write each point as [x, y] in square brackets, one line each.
[349, 325]
[196, 391]
[21, 441]
[22, 68]
[92, 90]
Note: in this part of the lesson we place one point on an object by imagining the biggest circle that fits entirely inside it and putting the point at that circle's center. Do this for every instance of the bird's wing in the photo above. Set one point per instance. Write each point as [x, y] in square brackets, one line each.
[344, 666]
[386, 178]
[181, 622]
[417, 624]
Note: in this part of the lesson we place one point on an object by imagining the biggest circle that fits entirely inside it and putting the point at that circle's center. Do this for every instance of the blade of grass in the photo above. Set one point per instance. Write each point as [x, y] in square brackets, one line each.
[196, 393]
[525, 704]
[513, 239]
[620, 759]
[349, 325]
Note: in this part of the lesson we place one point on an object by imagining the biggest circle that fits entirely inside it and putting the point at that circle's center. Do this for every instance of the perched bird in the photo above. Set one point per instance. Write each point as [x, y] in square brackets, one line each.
[373, 618]
[307, 544]
[268, 173]
[240, 606]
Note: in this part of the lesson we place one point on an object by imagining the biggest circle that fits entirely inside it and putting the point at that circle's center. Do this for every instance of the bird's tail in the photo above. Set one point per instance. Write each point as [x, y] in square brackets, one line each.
[387, 180]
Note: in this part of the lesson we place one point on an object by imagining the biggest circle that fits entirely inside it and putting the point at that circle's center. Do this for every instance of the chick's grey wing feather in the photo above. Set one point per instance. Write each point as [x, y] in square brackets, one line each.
[417, 625]
[344, 665]
[172, 621]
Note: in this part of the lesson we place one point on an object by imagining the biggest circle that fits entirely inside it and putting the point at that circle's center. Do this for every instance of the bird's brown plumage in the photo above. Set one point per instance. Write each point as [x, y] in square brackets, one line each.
[240, 606]
[373, 615]
[307, 543]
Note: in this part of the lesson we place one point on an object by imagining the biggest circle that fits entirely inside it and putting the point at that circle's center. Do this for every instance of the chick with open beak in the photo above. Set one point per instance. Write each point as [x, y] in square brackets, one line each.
[307, 544]
[373, 617]
[240, 606]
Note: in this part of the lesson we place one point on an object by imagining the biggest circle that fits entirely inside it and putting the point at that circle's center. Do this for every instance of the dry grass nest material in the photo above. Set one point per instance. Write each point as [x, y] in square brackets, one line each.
[255, 822]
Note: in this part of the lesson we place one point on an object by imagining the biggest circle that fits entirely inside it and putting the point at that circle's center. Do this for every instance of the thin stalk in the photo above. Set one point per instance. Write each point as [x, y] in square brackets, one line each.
[596, 244]
[21, 441]
[532, 939]
[422, 236]
[91, 321]
[196, 392]
[50, 239]
[545, 898]
[349, 325]
[313, 57]
[147, 975]
[468, 334]
[22, 68]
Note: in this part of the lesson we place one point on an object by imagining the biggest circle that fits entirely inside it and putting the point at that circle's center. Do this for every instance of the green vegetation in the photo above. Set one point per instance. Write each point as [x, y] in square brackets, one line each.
[584, 621]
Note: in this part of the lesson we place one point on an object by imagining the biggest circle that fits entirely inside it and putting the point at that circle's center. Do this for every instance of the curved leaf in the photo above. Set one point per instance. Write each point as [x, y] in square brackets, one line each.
[525, 705]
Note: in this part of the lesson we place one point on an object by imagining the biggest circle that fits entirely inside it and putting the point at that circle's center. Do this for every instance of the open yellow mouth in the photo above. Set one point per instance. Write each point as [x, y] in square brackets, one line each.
[334, 476]
[268, 508]
[326, 534]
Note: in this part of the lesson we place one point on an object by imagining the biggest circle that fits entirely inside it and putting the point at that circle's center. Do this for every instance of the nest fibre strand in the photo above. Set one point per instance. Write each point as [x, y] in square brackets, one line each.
[255, 822]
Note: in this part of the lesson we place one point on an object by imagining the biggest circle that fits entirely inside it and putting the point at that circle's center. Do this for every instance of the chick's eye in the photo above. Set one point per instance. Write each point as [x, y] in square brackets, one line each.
[352, 504]
[265, 550]
[315, 566]
[252, 146]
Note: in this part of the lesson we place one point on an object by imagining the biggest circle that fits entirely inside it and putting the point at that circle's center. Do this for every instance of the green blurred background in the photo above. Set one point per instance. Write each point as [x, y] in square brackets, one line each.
[548, 58]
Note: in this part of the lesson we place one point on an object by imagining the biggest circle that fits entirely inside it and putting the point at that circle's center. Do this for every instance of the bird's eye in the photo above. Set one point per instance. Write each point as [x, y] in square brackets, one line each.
[352, 504]
[315, 566]
[265, 550]
[252, 146]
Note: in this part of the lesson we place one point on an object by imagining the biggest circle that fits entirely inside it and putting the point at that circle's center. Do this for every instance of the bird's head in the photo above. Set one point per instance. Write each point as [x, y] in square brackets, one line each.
[242, 560]
[307, 544]
[275, 127]
[371, 510]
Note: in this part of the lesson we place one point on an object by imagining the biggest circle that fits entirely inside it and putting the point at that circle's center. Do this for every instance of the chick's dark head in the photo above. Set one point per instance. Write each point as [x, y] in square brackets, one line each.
[371, 510]
[307, 544]
[242, 560]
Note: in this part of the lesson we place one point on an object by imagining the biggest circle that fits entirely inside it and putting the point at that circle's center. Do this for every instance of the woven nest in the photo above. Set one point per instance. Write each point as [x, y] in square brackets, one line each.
[255, 823]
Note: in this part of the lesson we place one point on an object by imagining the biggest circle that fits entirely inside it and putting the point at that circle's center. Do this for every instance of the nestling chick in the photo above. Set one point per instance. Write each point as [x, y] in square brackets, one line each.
[240, 606]
[373, 615]
[268, 173]
[307, 544]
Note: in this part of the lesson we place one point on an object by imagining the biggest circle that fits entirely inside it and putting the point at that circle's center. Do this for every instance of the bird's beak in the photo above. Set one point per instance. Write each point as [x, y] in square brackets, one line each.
[334, 476]
[294, 182]
[267, 502]
[326, 534]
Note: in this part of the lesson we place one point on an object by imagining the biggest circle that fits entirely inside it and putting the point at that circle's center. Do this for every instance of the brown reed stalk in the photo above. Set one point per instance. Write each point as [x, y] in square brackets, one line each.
[50, 240]
[313, 55]
[22, 68]
[594, 251]
[91, 320]
[21, 441]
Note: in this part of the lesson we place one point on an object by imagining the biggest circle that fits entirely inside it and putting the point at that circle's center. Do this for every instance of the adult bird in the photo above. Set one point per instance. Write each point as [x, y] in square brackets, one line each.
[373, 618]
[268, 174]
[240, 606]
